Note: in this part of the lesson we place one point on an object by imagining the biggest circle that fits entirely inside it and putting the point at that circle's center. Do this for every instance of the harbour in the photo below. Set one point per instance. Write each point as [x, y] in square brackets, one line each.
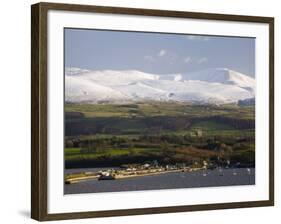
[166, 180]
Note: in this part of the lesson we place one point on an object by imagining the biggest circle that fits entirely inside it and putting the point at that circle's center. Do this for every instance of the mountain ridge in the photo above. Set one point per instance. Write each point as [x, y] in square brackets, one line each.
[218, 85]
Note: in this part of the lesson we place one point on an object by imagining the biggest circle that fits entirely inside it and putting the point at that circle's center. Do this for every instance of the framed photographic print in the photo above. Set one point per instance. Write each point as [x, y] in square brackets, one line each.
[140, 111]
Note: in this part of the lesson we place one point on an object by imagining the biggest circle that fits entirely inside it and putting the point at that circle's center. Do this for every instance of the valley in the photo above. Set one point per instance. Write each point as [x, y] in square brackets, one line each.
[98, 135]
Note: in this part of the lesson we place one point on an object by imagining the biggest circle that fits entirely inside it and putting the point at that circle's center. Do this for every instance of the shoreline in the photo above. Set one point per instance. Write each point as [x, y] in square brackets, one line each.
[170, 180]
[125, 174]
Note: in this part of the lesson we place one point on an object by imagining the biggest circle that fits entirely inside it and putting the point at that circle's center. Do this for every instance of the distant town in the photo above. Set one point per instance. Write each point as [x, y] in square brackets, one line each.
[146, 169]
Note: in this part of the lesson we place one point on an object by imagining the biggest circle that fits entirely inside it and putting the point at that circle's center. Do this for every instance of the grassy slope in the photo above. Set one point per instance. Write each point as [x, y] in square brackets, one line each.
[128, 123]
[160, 109]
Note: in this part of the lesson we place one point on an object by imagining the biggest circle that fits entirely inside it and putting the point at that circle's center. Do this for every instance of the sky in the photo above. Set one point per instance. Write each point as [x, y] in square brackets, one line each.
[157, 53]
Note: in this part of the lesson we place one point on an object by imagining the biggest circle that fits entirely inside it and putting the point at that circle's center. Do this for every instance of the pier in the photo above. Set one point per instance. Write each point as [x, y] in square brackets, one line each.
[115, 174]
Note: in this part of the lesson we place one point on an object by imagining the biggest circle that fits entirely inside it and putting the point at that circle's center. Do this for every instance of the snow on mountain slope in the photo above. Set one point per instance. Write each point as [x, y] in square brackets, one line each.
[200, 91]
[78, 89]
[112, 78]
[75, 71]
[173, 77]
[142, 91]
[208, 86]
[224, 76]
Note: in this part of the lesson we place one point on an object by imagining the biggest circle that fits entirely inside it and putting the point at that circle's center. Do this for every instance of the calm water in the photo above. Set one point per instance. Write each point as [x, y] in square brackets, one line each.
[210, 178]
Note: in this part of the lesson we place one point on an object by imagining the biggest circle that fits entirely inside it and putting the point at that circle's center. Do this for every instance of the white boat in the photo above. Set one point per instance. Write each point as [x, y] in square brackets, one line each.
[106, 176]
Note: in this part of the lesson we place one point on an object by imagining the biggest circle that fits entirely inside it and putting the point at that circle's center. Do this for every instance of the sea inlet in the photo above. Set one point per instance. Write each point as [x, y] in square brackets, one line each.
[194, 179]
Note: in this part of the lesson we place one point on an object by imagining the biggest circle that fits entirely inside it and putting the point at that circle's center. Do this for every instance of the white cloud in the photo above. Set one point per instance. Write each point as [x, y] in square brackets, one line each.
[187, 60]
[157, 56]
[162, 53]
[197, 38]
[202, 60]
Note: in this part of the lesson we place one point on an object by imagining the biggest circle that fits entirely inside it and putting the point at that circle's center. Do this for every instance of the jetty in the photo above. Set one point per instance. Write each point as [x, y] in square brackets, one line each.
[130, 171]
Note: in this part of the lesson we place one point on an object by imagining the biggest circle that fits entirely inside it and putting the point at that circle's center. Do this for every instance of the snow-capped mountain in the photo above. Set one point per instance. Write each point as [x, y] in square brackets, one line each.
[217, 85]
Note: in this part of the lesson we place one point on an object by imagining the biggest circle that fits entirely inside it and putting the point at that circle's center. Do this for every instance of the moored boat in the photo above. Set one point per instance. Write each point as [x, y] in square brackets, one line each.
[106, 176]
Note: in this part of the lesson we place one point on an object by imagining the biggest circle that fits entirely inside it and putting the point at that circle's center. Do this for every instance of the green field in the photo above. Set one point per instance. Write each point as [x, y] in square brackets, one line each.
[152, 109]
[106, 135]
